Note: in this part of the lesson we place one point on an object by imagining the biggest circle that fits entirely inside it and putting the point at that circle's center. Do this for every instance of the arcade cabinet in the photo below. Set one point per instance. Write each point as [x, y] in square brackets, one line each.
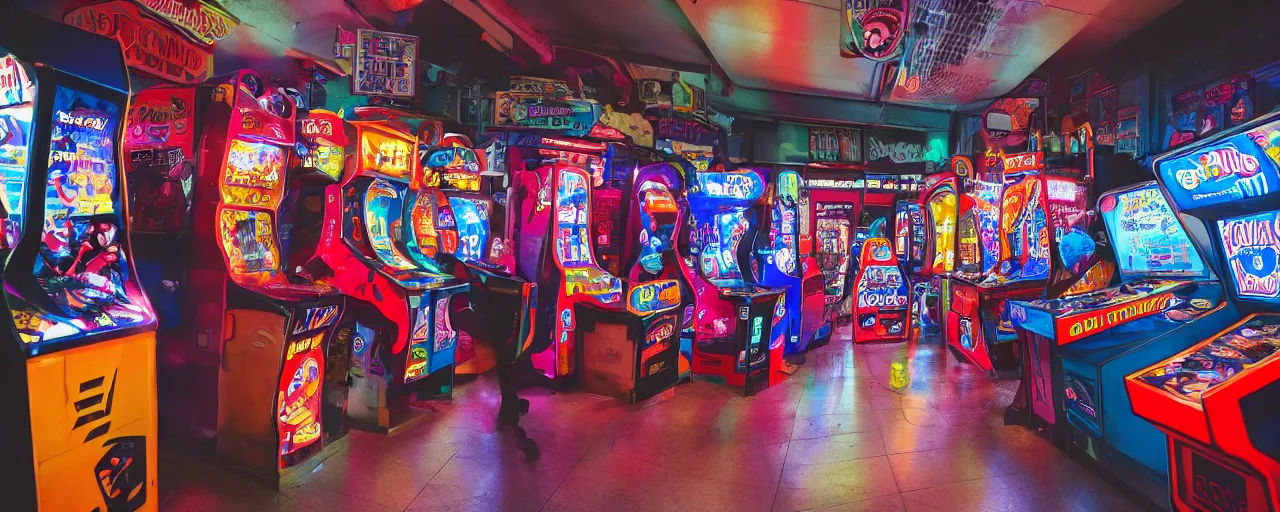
[882, 307]
[1217, 399]
[908, 236]
[263, 339]
[79, 359]
[977, 321]
[833, 205]
[730, 338]
[1084, 345]
[939, 202]
[502, 306]
[776, 264]
[408, 342]
[655, 295]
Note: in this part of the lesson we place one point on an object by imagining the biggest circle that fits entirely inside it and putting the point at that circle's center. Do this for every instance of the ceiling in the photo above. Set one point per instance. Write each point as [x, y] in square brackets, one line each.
[968, 50]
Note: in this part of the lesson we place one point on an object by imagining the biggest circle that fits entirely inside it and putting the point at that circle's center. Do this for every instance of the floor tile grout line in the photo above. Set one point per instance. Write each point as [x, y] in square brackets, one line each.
[612, 433]
[432, 479]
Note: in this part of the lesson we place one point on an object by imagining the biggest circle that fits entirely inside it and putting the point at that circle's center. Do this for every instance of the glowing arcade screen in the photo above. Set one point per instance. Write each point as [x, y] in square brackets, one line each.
[383, 209]
[82, 266]
[386, 154]
[1025, 247]
[942, 207]
[718, 238]
[253, 175]
[473, 227]
[655, 237]
[16, 113]
[1147, 237]
[782, 231]
[1250, 245]
[1065, 201]
[573, 239]
[986, 212]
[1243, 166]
[249, 241]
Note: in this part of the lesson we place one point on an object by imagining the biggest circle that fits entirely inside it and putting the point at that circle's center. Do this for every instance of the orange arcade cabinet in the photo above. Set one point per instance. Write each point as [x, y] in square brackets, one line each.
[404, 341]
[79, 356]
[259, 327]
[1217, 400]
[882, 300]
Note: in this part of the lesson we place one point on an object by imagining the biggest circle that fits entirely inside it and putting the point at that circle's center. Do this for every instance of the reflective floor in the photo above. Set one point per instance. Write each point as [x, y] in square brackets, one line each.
[835, 437]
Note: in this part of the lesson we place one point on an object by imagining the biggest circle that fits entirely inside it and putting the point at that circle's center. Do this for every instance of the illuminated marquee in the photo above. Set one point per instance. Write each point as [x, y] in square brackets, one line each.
[653, 297]
[1023, 162]
[388, 155]
[204, 21]
[1075, 327]
[149, 47]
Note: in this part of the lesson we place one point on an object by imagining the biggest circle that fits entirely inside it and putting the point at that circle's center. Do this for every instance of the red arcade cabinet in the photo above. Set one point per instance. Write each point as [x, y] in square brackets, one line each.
[264, 338]
[977, 321]
[731, 336]
[940, 202]
[1217, 400]
[403, 332]
[882, 307]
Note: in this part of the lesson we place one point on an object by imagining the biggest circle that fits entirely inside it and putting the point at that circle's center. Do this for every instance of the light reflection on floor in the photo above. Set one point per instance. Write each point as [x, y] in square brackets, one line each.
[836, 437]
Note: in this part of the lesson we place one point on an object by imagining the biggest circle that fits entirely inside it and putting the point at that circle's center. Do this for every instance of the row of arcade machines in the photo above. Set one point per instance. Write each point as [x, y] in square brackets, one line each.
[78, 350]
[1169, 378]
[310, 269]
[710, 256]
[1017, 230]
[859, 282]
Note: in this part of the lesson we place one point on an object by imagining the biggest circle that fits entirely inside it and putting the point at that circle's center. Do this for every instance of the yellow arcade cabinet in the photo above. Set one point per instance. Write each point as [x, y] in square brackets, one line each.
[78, 348]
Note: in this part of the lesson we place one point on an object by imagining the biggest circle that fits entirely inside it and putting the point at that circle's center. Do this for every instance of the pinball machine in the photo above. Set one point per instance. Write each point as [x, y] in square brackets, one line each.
[731, 338]
[401, 304]
[1216, 400]
[502, 305]
[776, 263]
[1099, 337]
[263, 339]
[883, 301]
[79, 356]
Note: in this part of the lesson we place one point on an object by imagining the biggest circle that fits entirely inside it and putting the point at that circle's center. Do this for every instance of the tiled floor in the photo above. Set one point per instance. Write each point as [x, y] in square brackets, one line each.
[835, 437]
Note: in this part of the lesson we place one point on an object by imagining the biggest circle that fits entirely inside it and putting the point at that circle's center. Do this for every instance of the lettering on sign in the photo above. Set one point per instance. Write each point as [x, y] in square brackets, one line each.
[1022, 162]
[384, 64]
[201, 20]
[897, 152]
[1078, 327]
[149, 47]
